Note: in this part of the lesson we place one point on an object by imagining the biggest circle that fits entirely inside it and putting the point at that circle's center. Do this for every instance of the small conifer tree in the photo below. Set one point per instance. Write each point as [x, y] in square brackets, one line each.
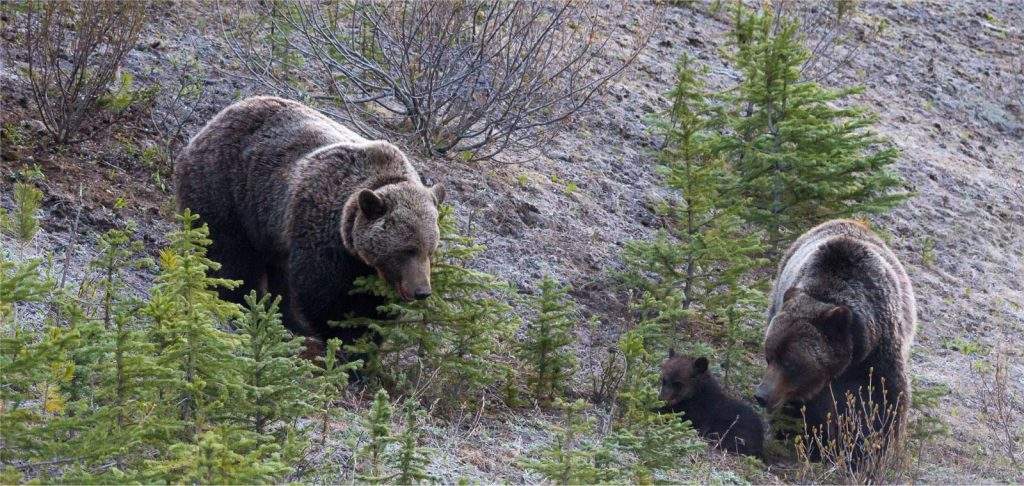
[220, 455]
[106, 399]
[411, 460]
[30, 366]
[278, 382]
[378, 424]
[696, 274]
[214, 377]
[276, 378]
[569, 458]
[547, 336]
[803, 153]
[187, 314]
[19, 283]
[23, 223]
[118, 414]
[333, 380]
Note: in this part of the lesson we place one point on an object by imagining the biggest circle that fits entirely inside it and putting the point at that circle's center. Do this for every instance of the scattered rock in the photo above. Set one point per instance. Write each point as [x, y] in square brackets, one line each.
[34, 125]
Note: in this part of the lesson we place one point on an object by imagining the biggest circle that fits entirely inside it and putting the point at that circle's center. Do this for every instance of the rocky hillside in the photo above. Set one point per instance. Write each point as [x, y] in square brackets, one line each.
[945, 79]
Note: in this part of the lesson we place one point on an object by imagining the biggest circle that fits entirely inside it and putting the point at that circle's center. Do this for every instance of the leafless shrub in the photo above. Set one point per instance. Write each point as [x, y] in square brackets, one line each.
[863, 445]
[74, 52]
[999, 406]
[174, 108]
[606, 377]
[469, 77]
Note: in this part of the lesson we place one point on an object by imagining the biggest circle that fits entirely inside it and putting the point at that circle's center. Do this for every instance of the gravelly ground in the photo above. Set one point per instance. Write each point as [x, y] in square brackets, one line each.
[945, 79]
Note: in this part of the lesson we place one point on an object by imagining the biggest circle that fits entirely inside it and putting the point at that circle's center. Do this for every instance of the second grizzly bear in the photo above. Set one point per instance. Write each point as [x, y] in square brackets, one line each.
[842, 321]
[688, 387]
[300, 206]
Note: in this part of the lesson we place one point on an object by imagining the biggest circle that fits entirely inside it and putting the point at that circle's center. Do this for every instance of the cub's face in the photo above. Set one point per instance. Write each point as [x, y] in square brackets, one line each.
[680, 376]
[808, 342]
[396, 233]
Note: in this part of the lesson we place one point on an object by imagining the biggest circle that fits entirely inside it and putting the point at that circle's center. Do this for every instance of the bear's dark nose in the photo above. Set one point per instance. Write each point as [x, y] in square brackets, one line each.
[422, 294]
[761, 395]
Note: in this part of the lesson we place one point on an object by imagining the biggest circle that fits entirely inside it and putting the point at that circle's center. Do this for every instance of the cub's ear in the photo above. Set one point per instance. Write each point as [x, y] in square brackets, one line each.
[835, 322]
[790, 293]
[701, 365]
[671, 352]
[438, 192]
[371, 204]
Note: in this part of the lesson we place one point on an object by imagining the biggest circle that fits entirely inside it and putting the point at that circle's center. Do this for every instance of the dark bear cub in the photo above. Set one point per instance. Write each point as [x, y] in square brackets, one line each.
[688, 387]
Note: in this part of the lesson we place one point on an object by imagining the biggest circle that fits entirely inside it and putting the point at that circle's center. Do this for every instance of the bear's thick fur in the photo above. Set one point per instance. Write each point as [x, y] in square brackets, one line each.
[300, 206]
[731, 424]
[842, 320]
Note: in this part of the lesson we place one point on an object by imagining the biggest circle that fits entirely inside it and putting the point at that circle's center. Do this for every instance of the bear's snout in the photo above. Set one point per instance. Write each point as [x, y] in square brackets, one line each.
[761, 395]
[414, 279]
[419, 293]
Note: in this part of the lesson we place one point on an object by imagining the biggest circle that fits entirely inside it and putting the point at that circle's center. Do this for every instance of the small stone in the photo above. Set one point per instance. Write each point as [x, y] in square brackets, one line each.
[34, 125]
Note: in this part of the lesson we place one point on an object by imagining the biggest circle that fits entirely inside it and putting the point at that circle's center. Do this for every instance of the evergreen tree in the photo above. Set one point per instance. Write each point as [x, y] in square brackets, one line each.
[277, 381]
[214, 376]
[697, 272]
[455, 336]
[333, 380]
[108, 400]
[116, 415]
[804, 153]
[187, 318]
[570, 459]
[19, 283]
[378, 424]
[411, 460]
[32, 365]
[23, 223]
[219, 456]
[546, 339]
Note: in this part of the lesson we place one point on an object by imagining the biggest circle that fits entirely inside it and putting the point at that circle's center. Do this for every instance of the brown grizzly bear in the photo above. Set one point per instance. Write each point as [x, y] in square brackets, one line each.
[842, 321]
[688, 387]
[300, 206]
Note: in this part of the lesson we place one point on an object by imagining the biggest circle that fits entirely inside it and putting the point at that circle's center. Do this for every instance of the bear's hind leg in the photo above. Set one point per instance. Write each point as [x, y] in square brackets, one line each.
[238, 261]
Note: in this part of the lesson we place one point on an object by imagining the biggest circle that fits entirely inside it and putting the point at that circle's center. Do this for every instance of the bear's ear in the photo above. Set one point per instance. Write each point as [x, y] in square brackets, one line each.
[671, 352]
[371, 204]
[700, 365]
[790, 293]
[438, 191]
[835, 322]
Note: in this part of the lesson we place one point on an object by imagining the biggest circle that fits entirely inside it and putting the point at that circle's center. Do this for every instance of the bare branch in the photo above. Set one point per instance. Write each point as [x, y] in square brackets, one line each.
[472, 78]
[74, 52]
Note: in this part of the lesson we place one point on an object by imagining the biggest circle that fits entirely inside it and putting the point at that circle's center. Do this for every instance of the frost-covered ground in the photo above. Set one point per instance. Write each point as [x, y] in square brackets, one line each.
[945, 79]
